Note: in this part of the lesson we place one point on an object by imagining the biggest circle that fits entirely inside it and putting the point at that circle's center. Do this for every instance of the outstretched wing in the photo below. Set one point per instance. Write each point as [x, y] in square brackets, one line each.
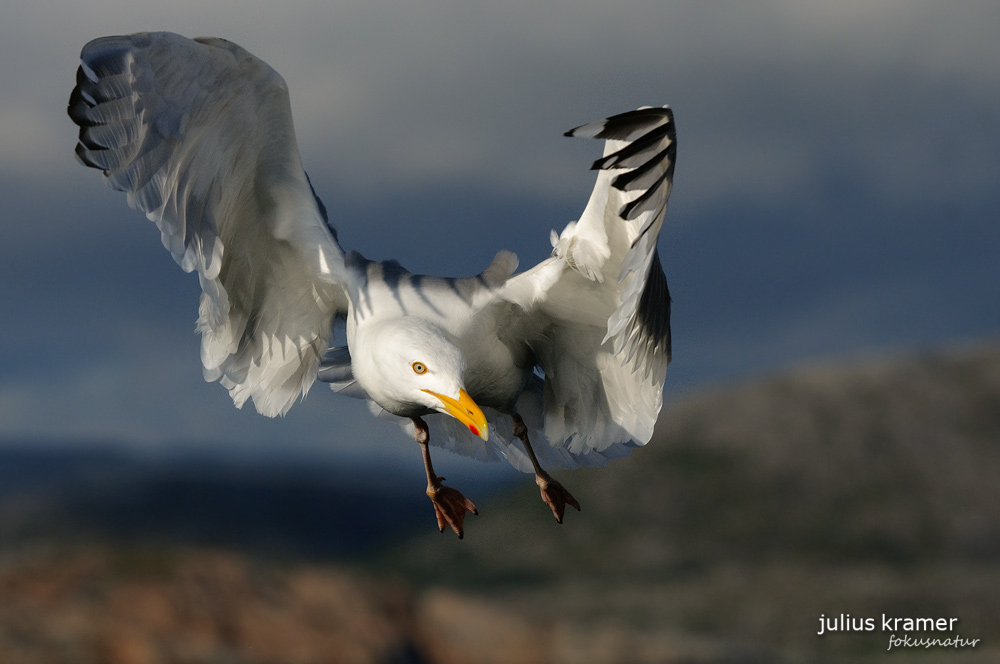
[199, 135]
[597, 313]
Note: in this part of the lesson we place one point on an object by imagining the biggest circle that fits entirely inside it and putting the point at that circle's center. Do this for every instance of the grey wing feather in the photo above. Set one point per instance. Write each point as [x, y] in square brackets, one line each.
[335, 369]
[198, 134]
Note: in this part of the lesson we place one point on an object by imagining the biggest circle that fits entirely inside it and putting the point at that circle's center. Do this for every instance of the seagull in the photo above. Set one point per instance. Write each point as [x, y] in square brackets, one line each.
[560, 365]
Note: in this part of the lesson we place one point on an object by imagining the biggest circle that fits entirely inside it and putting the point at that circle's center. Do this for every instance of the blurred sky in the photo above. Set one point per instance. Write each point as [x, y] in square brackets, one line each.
[836, 192]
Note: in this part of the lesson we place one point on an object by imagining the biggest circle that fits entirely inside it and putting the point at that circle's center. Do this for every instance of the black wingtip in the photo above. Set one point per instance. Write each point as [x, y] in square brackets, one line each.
[106, 56]
[624, 126]
[82, 153]
[77, 108]
[631, 210]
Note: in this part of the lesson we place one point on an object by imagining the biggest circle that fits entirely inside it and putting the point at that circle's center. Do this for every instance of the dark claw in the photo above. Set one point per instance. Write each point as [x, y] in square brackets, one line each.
[555, 496]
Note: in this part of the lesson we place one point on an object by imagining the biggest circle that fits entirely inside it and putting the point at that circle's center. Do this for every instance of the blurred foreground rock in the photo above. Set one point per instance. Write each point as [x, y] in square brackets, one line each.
[144, 606]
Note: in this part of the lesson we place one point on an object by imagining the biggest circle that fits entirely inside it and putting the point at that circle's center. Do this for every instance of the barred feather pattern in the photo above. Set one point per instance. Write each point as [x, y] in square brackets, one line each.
[640, 154]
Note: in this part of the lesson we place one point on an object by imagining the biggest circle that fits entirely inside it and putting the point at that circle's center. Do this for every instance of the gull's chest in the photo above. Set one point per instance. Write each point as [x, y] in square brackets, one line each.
[495, 372]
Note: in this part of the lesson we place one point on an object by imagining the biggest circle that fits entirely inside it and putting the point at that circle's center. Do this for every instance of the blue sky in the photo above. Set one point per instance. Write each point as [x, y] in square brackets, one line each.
[835, 194]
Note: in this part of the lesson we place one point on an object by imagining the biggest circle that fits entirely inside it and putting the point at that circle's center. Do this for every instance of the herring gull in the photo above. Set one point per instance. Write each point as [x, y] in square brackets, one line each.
[560, 365]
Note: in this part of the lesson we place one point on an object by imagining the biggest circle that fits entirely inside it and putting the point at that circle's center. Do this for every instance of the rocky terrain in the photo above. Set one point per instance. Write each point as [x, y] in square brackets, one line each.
[862, 490]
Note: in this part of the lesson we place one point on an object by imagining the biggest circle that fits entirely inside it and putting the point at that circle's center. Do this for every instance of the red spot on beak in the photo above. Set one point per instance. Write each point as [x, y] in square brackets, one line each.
[473, 429]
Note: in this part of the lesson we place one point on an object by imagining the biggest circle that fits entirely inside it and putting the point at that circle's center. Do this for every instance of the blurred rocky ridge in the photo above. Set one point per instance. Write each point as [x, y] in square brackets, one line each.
[862, 489]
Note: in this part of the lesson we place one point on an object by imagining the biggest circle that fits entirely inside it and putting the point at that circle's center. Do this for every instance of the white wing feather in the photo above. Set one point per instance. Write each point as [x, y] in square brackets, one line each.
[199, 135]
[600, 329]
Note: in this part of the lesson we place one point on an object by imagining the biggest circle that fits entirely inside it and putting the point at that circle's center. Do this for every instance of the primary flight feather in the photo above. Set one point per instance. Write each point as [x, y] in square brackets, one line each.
[562, 364]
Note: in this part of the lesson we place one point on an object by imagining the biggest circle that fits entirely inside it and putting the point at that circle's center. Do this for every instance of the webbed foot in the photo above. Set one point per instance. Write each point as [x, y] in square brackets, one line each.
[450, 506]
[555, 495]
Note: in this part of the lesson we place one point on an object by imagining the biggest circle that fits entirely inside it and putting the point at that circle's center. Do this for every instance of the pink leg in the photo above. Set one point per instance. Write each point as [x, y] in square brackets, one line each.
[450, 506]
[553, 493]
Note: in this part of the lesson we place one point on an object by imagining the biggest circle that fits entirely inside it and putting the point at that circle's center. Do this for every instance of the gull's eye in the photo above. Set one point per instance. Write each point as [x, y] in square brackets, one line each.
[419, 368]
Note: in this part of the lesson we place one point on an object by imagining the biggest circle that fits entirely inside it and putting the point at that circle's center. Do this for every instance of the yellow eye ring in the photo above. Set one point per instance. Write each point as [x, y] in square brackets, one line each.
[419, 368]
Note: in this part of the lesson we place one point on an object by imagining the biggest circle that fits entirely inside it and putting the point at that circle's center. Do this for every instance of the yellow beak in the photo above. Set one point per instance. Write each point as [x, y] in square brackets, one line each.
[465, 411]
